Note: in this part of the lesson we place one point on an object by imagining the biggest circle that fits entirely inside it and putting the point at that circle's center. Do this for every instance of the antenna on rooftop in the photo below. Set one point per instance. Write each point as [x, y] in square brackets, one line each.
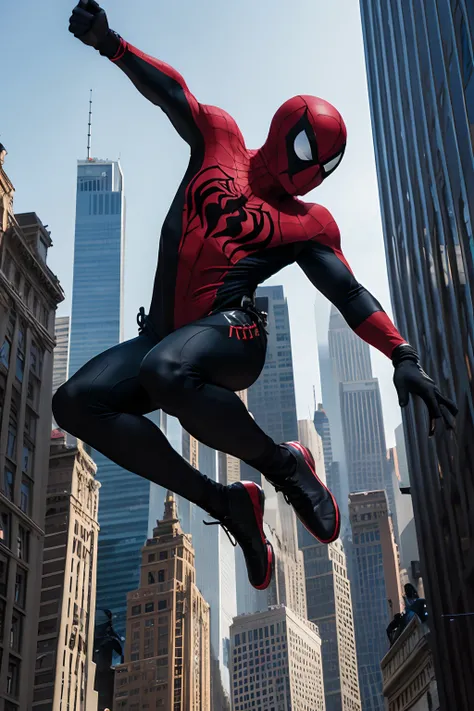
[89, 127]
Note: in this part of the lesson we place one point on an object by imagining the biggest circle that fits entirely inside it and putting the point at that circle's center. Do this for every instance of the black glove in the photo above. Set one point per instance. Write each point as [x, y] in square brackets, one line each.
[89, 23]
[410, 378]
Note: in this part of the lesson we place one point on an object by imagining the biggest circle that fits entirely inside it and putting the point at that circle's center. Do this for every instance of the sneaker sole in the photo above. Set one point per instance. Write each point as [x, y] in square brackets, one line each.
[309, 459]
[257, 498]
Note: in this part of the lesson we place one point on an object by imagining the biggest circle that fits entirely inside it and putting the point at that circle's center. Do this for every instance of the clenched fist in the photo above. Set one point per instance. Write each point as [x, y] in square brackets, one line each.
[89, 23]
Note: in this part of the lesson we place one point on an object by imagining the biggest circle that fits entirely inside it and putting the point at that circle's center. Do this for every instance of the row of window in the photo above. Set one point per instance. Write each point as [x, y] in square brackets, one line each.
[149, 607]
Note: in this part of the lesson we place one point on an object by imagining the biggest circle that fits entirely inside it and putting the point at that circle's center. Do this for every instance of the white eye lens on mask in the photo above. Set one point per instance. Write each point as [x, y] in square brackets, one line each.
[302, 146]
[328, 167]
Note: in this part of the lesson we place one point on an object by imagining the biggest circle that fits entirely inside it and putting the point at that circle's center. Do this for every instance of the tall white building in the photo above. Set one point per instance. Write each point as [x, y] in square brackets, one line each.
[276, 662]
[61, 351]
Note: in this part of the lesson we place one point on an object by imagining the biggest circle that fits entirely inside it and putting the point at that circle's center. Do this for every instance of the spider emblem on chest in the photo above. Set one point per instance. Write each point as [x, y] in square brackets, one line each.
[219, 210]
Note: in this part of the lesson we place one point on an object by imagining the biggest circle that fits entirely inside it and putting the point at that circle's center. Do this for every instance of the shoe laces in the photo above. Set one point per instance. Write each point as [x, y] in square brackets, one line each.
[224, 527]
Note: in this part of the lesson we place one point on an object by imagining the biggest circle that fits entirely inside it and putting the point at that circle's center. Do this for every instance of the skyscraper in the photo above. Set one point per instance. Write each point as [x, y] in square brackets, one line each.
[29, 294]
[96, 324]
[271, 400]
[328, 599]
[167, 652]
[376, 589]
[321, 423]
[276, 662]
[215, 573]
[61, 351]
[421, 82]
[349, 354]
[407, 536]
[65, 675]
[329, 602]
[361, 410]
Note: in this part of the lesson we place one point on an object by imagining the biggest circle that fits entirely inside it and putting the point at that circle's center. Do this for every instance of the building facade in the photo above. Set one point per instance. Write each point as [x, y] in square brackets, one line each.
[420, 70]
[65, 672]
[230, 468]
[276, 662]
[167, 650]
[29, 295]
[271, 400]
[215, 572]
[329, 604]
[329, 599]
[96, 324]
[409, 682]
[360, 409]
[61, 351]
[376, 588]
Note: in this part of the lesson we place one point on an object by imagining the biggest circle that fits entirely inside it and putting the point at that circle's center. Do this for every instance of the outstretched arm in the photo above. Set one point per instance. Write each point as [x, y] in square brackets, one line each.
[157, 81]
[327, 269]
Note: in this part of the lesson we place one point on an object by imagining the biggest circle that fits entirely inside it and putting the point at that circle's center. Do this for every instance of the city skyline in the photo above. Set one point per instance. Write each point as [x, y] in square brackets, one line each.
[187, 645]
[154, 158]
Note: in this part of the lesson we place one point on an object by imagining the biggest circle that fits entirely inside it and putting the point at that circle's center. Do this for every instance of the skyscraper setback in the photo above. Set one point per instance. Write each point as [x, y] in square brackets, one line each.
[96, 324]
[167, 653]
[361, 409]
[420, 66]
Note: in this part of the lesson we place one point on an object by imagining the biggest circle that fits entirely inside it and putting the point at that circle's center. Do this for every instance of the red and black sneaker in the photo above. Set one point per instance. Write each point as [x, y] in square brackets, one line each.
[312, 501]
[244, 523]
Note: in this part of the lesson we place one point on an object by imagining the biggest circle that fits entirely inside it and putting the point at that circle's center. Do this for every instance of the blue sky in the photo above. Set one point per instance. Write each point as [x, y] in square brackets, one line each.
[247, 57]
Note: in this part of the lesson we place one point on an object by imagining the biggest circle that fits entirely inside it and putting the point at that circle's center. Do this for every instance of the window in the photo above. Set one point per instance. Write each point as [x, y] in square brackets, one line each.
[151, 557]
[13, 677]
[162, 604]
[15, 632]
[5, 353]
[151, 578]
[136, 609]
[30, 423]
[12, 433]
[163, 555]
[4, 560]
[23, 544]
[27, 459]
[5, 528]
[26, 292]
[25, 500]
[20, 354]
[36, 359]
[161, 576]
[9, 482]
[149, 607]
[20, 587]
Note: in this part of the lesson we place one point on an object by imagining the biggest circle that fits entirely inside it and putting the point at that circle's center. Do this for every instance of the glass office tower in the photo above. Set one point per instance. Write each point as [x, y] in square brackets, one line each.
[96, 324]
[420, 65]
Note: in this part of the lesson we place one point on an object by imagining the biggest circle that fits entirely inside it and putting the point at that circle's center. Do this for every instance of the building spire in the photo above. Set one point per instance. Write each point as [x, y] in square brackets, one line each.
[89, 130]
[171, 512]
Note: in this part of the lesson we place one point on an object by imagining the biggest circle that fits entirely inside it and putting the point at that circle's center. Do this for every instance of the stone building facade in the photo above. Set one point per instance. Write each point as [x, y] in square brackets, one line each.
[29, 295]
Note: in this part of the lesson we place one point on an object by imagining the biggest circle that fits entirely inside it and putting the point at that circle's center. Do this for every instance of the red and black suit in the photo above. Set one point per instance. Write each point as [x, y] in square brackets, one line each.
[234, 222]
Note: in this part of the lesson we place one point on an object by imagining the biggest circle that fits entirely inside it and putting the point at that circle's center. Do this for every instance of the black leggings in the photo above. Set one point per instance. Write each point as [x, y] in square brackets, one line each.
[191, 374]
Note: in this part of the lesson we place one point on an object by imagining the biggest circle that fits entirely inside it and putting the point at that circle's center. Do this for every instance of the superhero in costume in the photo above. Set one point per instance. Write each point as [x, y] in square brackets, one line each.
[235, 222]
